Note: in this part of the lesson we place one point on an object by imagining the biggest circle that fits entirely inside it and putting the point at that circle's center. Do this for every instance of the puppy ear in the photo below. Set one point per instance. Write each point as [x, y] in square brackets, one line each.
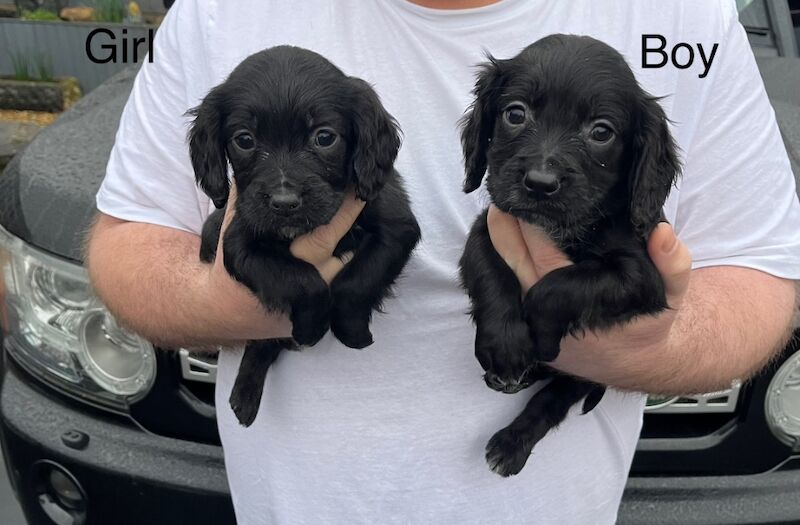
[377, 141]
[654, 168]
[207, 149]
[478, 125]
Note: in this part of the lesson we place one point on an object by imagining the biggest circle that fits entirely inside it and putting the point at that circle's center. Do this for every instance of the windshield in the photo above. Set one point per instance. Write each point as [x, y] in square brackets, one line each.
[741, 4]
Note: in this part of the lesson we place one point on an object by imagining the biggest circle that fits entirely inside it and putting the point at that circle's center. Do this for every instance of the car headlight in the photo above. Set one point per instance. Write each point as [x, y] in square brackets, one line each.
[782, 404]
[58, 330]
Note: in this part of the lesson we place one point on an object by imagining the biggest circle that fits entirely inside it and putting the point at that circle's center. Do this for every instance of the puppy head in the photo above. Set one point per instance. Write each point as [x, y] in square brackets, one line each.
[568, 137]
[296, 132]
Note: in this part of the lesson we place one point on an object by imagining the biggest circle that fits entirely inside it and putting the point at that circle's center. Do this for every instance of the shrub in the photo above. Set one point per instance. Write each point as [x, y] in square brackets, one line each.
[109, 11]
[32, 66]
[39, 14]
[21, 63]
[44, 67]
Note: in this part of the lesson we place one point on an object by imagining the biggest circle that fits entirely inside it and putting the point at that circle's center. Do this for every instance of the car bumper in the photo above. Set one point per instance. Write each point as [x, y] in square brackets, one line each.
[769, 498]
[128, 476]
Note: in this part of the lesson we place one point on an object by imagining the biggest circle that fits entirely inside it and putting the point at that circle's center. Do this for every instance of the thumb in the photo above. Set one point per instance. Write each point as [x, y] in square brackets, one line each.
[230, 210]
[506, 237]
[230, 207]
[673, 261]
[322, 240]
[329, 269]
[545, 253]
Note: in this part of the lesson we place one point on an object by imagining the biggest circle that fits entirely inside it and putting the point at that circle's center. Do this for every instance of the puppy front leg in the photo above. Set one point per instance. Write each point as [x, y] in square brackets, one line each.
[502, 341]
[258, 356]
[592, 294]
[509, 449]
[366, 280]
[282, 283]
[310, 308]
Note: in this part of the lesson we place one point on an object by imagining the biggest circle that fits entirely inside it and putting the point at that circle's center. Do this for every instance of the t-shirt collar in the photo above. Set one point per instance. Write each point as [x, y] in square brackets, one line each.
[460, 18]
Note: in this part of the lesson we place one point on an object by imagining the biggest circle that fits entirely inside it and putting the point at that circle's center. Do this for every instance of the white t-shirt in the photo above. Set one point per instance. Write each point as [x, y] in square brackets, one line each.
[396, 433]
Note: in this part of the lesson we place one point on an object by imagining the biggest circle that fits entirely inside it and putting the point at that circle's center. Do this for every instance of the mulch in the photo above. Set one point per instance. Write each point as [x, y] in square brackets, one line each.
[35, 117]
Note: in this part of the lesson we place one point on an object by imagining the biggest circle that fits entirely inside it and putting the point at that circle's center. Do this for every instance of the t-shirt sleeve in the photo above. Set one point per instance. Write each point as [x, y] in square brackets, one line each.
[149, 177]
[737, 201]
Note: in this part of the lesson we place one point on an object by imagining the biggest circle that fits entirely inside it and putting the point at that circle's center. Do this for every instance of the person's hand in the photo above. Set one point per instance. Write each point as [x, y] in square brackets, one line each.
[315, 247]
[511, 243]
[531, 254]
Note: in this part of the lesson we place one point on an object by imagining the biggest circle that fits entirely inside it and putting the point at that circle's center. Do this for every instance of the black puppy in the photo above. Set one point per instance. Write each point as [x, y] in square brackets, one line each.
[298, 132]
[574, 145]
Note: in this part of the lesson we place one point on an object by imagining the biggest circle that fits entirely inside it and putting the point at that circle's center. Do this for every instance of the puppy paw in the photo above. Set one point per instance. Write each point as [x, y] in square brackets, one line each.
[309, 326]
[507, 452]
[351, 329]
[244, 402]
[593, 398]
[505, 356]
[308, 333]
[509, 385]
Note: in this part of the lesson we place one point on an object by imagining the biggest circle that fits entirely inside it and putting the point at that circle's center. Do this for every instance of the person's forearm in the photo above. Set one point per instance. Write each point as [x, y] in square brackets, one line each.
[152, 280]
[732, 321]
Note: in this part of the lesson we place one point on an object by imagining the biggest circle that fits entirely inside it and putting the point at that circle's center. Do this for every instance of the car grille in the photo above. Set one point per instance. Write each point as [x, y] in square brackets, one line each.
[201, 368]
[703, 434]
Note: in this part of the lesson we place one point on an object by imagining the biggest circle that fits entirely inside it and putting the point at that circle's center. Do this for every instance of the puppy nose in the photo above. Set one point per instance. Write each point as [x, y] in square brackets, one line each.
[285, 202]
[541, 181]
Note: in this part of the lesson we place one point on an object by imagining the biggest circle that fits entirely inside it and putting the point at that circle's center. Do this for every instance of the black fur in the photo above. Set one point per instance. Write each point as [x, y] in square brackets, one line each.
[266, 120]
[574, 145]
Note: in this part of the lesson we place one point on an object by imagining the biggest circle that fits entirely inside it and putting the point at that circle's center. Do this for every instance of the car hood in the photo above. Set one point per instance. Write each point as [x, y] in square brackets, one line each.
[47, 191]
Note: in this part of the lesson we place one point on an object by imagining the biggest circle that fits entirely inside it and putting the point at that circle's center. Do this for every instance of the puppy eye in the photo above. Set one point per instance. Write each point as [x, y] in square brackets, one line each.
[244, 141]
[325, 138]
[601, 133]
[515, 114]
